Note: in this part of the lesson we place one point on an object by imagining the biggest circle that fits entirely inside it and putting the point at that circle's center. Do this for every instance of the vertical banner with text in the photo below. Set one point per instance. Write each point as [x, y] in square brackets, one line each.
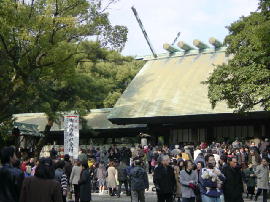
[71, 135]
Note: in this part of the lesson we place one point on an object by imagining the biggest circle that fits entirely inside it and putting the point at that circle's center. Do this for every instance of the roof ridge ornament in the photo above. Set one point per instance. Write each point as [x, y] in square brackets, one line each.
[184, 46]
[170, 48]
[216, 43]
[200, 45]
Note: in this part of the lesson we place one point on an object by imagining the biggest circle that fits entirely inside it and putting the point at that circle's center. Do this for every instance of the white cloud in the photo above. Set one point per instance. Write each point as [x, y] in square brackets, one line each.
[164, 19]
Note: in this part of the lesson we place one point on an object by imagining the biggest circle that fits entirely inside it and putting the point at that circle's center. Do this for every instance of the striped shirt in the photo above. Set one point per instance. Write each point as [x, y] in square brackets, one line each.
[64, 182]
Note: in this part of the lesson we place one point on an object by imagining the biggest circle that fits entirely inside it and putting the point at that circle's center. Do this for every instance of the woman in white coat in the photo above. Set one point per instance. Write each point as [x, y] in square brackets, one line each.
[262, 174]
[112, 179]
[74, 179]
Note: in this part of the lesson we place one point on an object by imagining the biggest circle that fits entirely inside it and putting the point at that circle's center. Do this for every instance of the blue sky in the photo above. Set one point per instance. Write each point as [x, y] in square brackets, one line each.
[163, 19]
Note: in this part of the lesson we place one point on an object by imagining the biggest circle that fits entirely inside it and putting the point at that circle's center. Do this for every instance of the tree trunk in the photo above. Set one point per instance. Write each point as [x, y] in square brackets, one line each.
[43, 141]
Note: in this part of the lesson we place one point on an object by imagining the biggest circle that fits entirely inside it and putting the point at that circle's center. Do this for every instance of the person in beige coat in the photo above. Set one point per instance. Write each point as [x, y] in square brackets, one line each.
[262, 174]
[74, 179]
[112, 179]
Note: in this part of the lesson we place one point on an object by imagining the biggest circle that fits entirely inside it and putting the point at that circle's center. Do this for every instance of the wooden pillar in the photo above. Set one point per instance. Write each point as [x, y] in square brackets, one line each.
[257, 131]
[267, 128]
[113, 140]
[209, 134]
[194, 135]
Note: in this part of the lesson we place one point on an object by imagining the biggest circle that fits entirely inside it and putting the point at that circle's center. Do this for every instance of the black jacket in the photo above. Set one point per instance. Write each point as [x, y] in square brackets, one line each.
[139, 179]
[68, 168]
[233, 185]
[85, 186]
[122, 172]
[11, 180]
[164, 179]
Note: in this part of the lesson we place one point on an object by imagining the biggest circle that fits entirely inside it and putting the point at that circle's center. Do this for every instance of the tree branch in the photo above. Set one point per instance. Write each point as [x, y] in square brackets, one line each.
[8, 52]
[108, 5]
[4, 44]
[31, 10]
[38, 58]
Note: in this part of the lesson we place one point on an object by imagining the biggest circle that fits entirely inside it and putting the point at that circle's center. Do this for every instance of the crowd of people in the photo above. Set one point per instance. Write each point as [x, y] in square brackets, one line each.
[208, 173]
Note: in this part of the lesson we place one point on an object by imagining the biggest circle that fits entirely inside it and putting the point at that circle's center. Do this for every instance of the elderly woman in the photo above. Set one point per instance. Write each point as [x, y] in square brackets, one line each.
[112, 179]
[188, 180]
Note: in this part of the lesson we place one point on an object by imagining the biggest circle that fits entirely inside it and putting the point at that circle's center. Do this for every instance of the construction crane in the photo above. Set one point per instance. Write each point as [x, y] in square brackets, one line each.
[143, 31]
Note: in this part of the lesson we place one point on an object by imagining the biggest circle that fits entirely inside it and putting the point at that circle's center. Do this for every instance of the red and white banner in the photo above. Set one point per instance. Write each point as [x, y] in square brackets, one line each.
[71, 135]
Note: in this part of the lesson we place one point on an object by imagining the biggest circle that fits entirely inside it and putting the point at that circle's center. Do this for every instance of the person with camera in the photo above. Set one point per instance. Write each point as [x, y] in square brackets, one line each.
[164, 180]
[139, 182]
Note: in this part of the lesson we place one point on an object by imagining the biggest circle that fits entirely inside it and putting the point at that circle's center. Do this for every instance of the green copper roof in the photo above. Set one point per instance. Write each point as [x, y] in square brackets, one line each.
[96, 119]
[28, 129]
[171, 85]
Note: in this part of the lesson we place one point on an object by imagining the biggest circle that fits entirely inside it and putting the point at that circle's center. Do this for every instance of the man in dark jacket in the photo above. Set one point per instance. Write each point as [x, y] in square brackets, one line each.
[125, 155]
[233, 185]
[11, 179]
[85, 183]
[164, 180]
[139, 182]
[122, 177]
[223, 162]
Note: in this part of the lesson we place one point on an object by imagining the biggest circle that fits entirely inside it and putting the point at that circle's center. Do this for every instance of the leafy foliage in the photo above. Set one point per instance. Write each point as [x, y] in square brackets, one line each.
[107, 77]
[43, 44]
[245, 81]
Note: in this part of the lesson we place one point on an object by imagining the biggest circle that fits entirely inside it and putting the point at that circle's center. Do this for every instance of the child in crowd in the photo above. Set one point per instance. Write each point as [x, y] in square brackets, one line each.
[101, 177]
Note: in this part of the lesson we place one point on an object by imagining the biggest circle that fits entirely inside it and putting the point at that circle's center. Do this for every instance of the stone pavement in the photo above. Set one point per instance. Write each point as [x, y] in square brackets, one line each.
[149, 196]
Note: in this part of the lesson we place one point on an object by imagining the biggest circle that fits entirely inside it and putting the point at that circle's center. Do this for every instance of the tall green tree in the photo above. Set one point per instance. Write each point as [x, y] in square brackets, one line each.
[245, 81]
[108, 75]
[40, 48]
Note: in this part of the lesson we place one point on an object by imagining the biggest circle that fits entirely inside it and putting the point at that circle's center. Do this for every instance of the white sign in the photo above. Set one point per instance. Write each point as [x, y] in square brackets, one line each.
[71, 135]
